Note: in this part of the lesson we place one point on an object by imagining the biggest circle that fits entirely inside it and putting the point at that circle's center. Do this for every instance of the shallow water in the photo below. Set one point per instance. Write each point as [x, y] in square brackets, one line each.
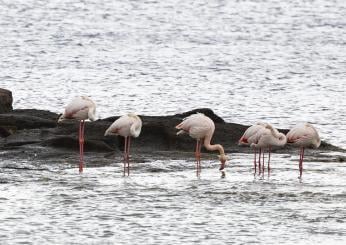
[277, 61]
[171, 205]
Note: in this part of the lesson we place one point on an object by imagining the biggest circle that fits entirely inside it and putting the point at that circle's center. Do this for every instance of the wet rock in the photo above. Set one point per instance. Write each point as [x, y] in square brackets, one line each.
[4, 132]
[5, 101]
[33, 130]
[206, 111]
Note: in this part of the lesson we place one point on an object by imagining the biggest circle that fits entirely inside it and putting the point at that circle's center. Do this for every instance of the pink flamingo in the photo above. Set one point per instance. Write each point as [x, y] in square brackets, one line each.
[128, 126]
[303, 136]
[201, 128]
[80, 108]
[252, 135]
[268, 138]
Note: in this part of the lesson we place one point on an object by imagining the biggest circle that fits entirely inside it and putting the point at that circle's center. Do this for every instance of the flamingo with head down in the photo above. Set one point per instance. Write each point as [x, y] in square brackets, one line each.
[201, 128]
[80, 108]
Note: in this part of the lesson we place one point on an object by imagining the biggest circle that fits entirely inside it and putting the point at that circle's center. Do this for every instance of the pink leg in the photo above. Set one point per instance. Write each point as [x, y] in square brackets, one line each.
[197, 156]
[263, 163]
[259, 161]
[125, 153]
[128, 155]
[269, 150]
[254, 162]
[81, 145]
[301, 162]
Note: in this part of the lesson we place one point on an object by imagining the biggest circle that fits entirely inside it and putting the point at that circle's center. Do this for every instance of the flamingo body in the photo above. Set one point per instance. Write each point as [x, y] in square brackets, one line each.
[269, 137]
[80, 108]
[127, 125]
[304, 135]
[252, 134]
[198, 126]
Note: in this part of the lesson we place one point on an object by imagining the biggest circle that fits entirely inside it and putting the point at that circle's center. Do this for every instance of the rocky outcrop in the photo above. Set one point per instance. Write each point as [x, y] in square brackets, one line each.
[37, 128]
[5, 100]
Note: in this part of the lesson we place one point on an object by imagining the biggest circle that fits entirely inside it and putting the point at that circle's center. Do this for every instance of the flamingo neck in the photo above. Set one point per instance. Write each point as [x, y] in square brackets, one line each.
[211, 147]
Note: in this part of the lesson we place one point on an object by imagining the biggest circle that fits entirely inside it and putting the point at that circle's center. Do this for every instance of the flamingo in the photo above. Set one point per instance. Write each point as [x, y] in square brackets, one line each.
[251, 135]
[201, 128]
[80, 108]
[304, 135]
[128, 126]
[267, 138]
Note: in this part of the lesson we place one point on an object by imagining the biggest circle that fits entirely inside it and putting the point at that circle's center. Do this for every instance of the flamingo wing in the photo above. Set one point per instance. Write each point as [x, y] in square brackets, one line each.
[121, 126]
[78, 108]
[250, 134]
[303, 135]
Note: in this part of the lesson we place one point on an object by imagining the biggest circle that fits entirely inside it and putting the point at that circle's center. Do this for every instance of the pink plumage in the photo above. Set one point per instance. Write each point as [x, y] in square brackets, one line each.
[80, 108]
[302, 136]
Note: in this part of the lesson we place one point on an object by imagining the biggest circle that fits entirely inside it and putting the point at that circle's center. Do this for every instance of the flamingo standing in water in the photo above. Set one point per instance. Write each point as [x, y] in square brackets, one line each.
[268, 138]
[128, 126]
[252, 135]
[201, 128]
[303, 136]
[80, 108]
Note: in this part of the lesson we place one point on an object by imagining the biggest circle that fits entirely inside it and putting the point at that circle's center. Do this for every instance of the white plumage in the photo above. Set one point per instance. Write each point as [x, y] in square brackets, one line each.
[127, 125]
[80, 108]
[304, 135]
[198, 126]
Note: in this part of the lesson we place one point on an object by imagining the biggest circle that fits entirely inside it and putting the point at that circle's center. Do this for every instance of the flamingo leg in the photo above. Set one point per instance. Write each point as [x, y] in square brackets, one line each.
[254, 162]
[301, 162]
[269, 150]
[125, 154]
[259, 161]
[128, 155]
[263, 163]
[197, 156]
[81, 145]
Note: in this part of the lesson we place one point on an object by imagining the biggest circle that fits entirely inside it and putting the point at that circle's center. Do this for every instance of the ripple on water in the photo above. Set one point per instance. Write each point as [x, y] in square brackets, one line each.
[247, 60]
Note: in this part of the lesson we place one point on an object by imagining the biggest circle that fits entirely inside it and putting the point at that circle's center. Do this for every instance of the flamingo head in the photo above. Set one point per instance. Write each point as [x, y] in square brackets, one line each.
[61, 118]
[223, 158]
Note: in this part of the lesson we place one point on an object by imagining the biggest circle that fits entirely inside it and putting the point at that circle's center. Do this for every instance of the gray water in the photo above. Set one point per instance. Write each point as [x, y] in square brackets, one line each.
[277, 61]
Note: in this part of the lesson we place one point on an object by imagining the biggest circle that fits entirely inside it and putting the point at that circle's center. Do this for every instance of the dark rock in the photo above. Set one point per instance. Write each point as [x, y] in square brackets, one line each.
[25, 121]
[5, 101]
[34, 130]
[4, 132]
[206, 111]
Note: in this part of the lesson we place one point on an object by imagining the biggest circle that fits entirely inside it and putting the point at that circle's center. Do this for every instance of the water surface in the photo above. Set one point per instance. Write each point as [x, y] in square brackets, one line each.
[277, 61]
